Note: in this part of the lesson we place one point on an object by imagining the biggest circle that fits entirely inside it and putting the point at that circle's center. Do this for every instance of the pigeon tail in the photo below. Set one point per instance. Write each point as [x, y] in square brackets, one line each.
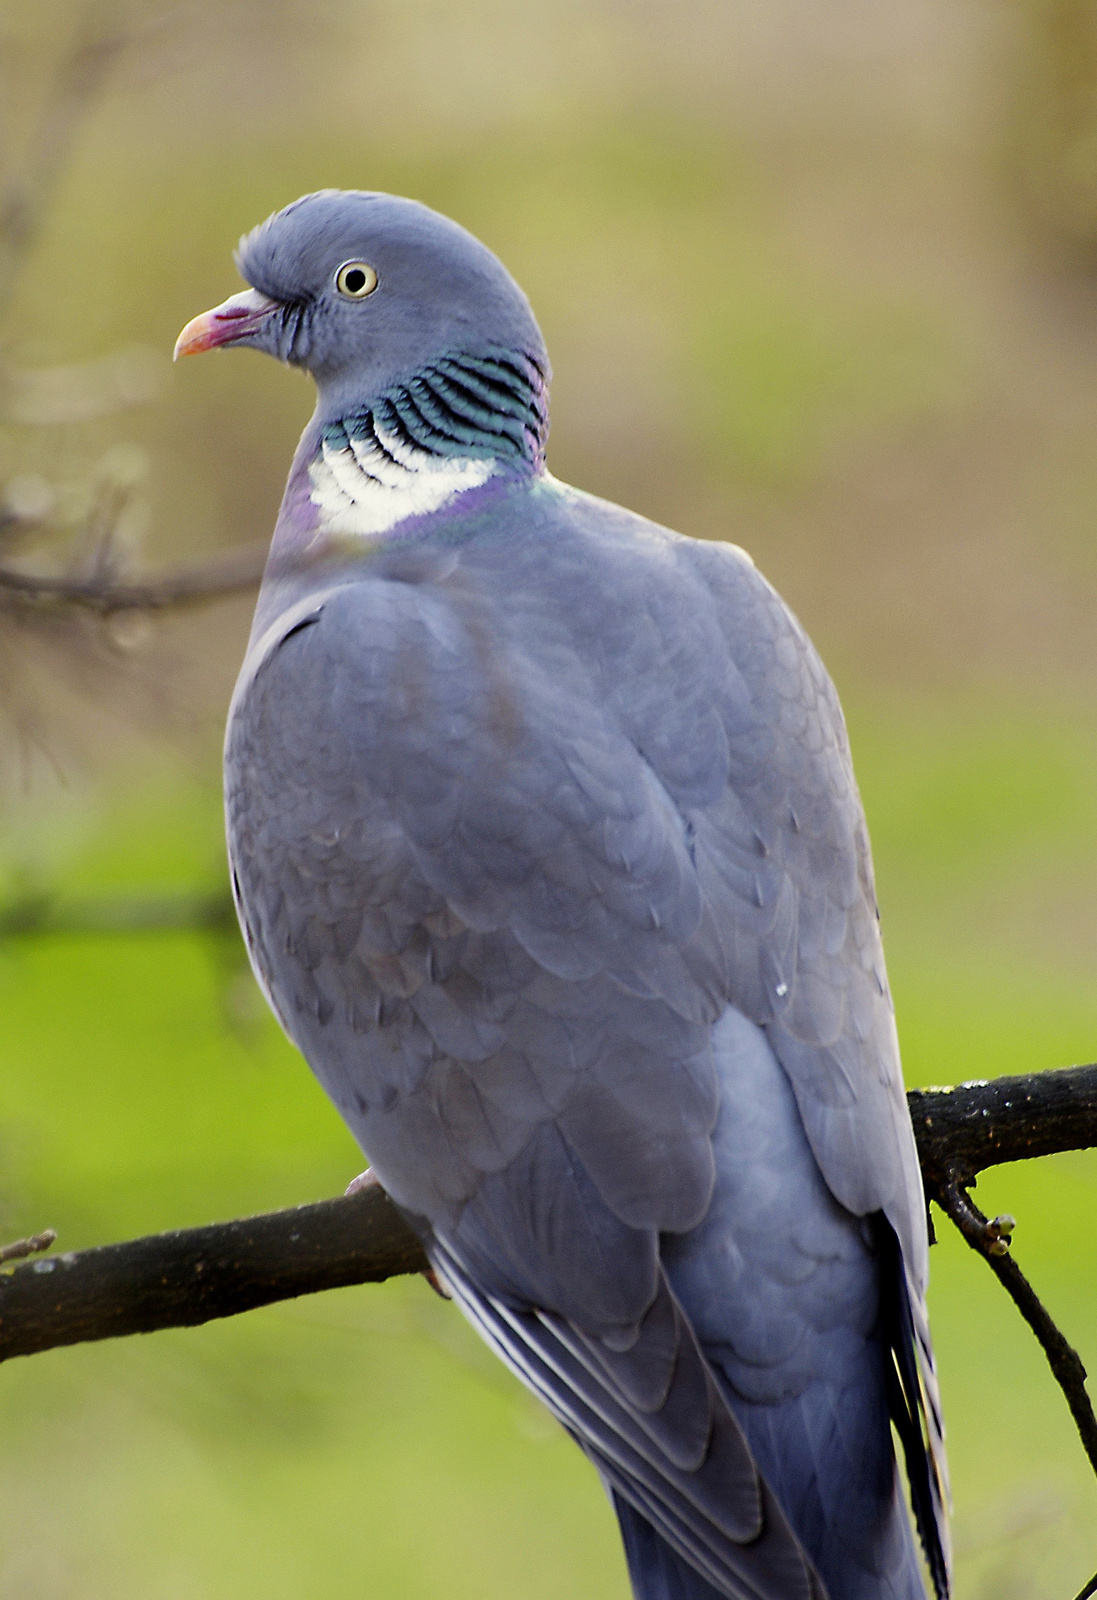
[654, 1569]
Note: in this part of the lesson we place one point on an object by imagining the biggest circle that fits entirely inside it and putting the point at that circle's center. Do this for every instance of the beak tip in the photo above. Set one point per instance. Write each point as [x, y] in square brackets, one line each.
[194, 337]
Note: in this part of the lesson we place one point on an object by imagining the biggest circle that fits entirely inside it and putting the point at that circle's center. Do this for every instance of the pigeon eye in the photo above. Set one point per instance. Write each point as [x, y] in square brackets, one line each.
[355, 279]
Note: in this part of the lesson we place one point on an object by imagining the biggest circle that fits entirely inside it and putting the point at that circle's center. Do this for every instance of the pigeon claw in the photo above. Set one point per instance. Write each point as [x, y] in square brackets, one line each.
[364, 1180]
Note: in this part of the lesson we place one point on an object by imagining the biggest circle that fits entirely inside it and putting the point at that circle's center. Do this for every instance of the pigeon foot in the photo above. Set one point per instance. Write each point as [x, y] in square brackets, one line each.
[364, 1180]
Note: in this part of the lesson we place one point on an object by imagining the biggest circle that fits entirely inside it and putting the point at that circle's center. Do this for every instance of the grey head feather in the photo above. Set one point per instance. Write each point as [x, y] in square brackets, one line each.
[438, 290]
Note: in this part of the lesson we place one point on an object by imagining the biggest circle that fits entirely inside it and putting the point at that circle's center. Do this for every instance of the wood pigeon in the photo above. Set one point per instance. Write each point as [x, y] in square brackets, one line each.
[550, 859]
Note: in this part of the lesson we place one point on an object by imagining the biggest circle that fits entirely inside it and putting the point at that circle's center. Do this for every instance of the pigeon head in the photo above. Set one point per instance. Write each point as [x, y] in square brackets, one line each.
[369, 291]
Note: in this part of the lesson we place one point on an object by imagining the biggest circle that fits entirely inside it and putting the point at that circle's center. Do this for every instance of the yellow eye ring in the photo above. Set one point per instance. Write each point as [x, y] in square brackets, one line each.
[355, 280]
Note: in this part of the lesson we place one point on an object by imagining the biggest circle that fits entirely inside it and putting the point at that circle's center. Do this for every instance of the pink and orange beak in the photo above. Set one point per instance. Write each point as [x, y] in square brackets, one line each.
[227, 323]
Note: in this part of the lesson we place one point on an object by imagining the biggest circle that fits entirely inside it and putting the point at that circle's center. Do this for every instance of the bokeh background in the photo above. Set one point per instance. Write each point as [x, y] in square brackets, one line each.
[819, 278]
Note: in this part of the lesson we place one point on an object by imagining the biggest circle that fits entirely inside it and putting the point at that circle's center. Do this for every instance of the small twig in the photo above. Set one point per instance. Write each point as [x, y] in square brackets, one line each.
[1090, 1589]
[21, 1248]
[237, 572]
[990, 1239]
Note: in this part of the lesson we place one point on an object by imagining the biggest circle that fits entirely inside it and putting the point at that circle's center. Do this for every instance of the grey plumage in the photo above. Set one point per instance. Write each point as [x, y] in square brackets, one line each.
[549, 855]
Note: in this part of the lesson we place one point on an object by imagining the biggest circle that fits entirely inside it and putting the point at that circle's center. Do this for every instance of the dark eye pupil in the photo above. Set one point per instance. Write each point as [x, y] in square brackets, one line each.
[355, 280]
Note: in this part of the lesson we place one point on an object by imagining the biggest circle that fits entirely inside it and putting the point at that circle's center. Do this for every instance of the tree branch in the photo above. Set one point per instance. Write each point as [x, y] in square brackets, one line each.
[962, 1131]
[195, 1275]
[236, 572]
[178, 1280]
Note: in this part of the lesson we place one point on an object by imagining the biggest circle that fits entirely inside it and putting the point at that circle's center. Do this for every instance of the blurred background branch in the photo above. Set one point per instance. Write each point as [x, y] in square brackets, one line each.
[43, 913]
[105, 591]
[90, 536]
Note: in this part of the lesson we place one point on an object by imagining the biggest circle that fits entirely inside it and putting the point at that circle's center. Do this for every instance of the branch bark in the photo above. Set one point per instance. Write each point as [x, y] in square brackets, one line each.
[178, 1280]
[962, 1131]
[193, 1276]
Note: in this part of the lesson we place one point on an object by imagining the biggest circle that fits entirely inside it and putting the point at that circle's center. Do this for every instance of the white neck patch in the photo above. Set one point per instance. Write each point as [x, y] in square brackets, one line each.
[365, 487]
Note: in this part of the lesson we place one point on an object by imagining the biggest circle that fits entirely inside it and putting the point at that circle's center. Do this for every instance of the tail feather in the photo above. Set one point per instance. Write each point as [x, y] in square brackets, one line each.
[657, 1573]
[915, 1404]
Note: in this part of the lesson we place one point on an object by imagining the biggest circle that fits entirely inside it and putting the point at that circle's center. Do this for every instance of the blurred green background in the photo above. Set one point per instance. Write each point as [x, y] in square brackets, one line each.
[819, 279]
